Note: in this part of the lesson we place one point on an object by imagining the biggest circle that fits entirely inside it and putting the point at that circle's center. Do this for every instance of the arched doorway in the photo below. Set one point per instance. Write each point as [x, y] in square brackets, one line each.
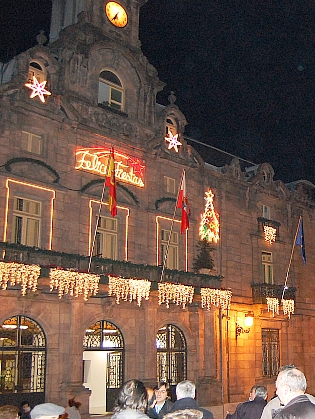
[171, 355]
[22, 361]
[103, 364]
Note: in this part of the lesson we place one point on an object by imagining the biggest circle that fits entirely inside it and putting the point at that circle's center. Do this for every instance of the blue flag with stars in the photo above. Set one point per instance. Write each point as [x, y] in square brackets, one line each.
[300, 241]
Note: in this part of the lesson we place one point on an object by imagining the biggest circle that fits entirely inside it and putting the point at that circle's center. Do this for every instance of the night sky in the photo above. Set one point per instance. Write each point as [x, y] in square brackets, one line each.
[243, 72]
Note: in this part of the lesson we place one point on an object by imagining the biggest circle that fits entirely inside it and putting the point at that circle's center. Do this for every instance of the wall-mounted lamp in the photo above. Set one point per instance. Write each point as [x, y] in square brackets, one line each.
[248, 322]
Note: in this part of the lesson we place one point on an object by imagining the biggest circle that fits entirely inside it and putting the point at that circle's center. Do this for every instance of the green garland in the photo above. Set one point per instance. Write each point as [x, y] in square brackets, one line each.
[30, 160]
[164, 199]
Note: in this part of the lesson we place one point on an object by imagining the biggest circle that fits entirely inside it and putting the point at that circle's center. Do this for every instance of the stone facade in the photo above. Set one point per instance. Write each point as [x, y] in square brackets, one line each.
[71, 120]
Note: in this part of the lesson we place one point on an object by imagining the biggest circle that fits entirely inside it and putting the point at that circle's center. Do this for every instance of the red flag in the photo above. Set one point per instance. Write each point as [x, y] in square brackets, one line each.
[183, 204]
[111, 182]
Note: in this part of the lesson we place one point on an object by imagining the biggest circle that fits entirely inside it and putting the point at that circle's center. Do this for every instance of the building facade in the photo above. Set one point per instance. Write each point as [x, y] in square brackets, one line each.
[94, 91]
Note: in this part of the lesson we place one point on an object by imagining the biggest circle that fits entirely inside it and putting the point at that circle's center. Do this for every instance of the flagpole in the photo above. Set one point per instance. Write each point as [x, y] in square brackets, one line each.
[290, 261]
[96, 226]
[171, 230]
[98, 216]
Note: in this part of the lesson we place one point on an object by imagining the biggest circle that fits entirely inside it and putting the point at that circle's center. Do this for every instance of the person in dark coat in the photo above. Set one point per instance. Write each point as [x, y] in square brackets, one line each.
[185, 393]
[252, 409]
[291, 385]
[161, 404]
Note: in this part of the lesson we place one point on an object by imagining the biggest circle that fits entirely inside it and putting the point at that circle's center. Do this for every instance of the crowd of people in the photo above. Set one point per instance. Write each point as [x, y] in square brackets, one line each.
[136, 401]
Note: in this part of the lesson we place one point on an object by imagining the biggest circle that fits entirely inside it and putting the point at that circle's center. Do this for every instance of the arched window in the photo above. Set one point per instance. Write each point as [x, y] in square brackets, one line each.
[22, 360]
[171, 126]
[110, 90]
[171, 355]
[103, 363]
[37, 70]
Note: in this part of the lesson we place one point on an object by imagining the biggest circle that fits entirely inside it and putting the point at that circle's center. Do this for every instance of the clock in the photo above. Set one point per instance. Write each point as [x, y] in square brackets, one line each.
[116, 14]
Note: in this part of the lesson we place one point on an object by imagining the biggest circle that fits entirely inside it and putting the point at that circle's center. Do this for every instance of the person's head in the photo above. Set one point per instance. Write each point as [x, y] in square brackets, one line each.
[47, 411]
[185, 389]
[290, 384]
[132, 395]
[287, 367]
[161, 392]
[25, 406]
[9, 412]
[184, 414]
[252, 393]
[72, 402]
[261, 391]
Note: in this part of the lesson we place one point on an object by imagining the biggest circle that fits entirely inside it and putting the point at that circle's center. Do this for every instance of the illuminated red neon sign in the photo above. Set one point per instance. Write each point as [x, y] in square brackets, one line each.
[127, 169]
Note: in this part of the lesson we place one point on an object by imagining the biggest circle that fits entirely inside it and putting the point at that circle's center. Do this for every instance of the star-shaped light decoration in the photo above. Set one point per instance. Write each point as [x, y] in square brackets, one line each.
[38, 89]
[138, 168]
[173, 141]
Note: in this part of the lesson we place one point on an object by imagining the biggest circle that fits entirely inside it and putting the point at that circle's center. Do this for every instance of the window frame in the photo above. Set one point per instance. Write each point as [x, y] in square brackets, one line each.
[31, 137]
[102, 234]
[20, 223]
[172, 261]
[113, 87]
[267, 268]
[270, 339]
[266, 212]
[170, 185]
[40, 74]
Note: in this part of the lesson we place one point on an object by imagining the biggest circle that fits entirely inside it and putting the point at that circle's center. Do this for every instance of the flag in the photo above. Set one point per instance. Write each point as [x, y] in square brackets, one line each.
[111, 182]
[182, 203]
[300, 240]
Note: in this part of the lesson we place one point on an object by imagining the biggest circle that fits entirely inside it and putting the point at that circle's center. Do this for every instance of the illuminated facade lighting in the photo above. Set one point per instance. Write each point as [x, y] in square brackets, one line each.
[18, 273]
[53, 195]
[177, 293]
[73, 283]
[215, 297]
[127, 169]
[129, 289]
[92, 225]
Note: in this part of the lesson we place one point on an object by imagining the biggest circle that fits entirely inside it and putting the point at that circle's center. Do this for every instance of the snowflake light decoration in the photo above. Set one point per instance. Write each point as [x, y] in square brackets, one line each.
[38, 89]
[173, 141]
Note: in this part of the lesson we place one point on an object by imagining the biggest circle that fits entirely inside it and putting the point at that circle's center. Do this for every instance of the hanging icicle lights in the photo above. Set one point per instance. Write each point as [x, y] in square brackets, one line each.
[270, 234]
[214, 297]
[73, 283]
[129, 289]
[177, 293]
[18, 273]
[288, 307]
[273, 305]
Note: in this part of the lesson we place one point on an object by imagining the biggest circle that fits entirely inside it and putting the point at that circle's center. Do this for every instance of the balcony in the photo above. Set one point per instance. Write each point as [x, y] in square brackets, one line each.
[261, 291]
[264, 222]
[103, 267]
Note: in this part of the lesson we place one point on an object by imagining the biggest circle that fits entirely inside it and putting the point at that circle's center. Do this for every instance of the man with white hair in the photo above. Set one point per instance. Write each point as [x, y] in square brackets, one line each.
[47, 411]
[274, 406]
[185, 393]
[291, 386]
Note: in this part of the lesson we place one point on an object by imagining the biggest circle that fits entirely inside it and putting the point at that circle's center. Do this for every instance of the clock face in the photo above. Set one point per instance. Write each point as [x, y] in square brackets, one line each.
[116, 14]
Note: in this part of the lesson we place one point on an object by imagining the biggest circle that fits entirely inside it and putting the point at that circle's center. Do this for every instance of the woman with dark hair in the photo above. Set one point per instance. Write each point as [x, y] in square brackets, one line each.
[132, 401]
[162, 404]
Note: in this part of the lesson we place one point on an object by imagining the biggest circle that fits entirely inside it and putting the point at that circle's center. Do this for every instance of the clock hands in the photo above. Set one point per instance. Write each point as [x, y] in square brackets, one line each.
[116, 16]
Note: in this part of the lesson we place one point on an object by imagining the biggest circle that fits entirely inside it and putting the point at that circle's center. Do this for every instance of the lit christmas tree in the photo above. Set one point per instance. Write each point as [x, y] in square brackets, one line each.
[209, 225]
